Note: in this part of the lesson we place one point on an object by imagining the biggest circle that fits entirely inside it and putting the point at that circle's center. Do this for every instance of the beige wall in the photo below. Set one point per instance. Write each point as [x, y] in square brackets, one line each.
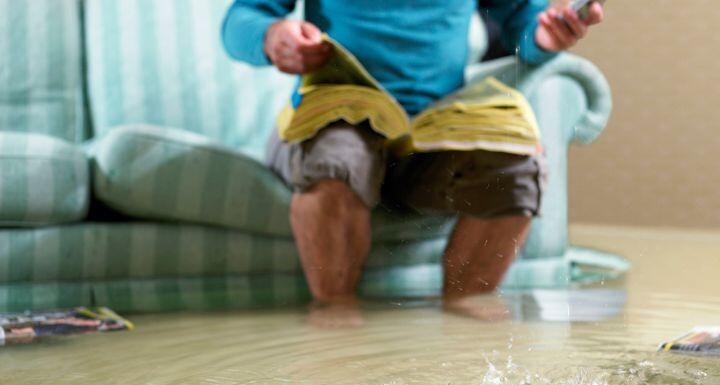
[656, 163]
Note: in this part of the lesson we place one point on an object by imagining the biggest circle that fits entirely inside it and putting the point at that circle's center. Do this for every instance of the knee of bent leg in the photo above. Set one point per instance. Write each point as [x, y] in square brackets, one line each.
[329, 197]
[335, 194]
[341, 161]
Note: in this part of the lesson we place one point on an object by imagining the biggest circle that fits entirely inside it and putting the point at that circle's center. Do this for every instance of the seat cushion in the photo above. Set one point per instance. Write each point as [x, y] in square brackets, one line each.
[168, 174]
[142, 250]
[41, 68]
[43, 180]
[159, 173]
[209, 292]
[161, 62]
[159, 267]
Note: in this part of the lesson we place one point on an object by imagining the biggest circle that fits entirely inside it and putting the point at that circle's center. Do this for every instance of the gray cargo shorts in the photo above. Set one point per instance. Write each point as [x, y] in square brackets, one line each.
[479, 183]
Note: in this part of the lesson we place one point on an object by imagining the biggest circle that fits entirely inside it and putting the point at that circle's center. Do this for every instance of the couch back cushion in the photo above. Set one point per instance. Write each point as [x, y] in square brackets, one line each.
[41, 68]
[43, 181]
[161, 62]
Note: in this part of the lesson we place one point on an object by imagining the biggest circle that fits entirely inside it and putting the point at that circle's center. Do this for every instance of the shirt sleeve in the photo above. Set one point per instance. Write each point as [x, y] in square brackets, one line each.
[518, 20]
[245, 24]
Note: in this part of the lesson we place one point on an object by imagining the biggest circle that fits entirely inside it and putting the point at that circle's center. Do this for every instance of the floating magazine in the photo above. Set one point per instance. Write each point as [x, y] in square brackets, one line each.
[700, 340]
[20, 328]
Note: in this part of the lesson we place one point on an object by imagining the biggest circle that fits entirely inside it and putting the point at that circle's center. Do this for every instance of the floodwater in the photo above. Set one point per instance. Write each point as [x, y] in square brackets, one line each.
[606, 334]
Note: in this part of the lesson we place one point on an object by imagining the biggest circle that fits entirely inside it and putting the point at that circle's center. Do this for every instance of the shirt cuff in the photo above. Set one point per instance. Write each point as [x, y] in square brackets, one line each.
[529, 50]
[258, 36]
[244, 37]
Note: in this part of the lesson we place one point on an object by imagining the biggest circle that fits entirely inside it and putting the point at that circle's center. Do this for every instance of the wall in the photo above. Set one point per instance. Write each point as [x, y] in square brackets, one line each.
[656, 163]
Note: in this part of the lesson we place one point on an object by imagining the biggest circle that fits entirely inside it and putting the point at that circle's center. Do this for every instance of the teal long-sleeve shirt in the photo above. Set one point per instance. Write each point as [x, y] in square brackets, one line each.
[417, 49]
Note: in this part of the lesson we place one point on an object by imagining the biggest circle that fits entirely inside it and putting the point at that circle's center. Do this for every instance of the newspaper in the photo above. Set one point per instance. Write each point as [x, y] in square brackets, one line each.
[700, 340]
[22, 328]
[485, 114]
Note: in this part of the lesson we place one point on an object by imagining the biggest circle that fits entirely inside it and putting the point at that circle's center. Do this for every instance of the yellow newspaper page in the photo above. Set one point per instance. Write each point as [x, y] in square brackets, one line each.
[485, 115]
[341, 89]
[342, 68]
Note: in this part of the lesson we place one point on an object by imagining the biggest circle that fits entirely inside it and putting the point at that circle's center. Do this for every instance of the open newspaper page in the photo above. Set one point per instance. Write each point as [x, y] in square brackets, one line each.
[341, 89]
[485, 115]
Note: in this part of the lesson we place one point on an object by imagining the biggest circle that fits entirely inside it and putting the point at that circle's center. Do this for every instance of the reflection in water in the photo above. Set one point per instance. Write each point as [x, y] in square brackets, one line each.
[574, 305]
[594, 336]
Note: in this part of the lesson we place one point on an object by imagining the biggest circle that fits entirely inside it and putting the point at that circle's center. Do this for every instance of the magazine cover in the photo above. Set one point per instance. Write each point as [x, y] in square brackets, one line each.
[700, 340]
[21, 328]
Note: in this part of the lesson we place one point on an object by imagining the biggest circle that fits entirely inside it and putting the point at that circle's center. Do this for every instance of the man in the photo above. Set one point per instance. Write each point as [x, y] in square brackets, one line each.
[417, 49]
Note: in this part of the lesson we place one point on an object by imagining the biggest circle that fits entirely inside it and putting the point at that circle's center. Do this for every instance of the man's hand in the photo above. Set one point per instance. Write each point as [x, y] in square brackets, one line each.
[556, 34]
[295, 47]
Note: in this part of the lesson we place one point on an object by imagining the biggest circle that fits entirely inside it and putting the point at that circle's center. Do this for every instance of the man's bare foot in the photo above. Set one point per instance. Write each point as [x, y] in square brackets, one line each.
[483, 307]
[336, 314]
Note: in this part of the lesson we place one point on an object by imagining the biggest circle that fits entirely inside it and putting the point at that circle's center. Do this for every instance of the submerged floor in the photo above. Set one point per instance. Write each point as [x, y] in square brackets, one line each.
[606, 334]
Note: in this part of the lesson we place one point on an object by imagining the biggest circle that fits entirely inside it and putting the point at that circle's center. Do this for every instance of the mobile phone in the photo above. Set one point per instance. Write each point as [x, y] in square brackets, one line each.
[582, 7]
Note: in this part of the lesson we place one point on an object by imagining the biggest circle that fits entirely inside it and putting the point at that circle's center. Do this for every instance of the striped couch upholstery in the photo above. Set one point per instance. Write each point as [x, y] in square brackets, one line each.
[43, 180]
[40, 68]
[183, 214]
[142, 266]
[162, 173]
[161, 62]
[43, 177]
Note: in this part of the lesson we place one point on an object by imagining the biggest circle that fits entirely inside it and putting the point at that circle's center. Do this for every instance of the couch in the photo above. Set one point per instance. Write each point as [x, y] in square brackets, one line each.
[130, 172]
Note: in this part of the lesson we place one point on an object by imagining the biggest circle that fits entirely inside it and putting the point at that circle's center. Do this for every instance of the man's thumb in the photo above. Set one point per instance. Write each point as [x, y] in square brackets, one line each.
[311, 32]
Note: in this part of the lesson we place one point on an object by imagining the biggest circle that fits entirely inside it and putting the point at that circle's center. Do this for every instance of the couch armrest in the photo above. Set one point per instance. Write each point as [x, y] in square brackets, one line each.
[527, 79]
[572, 102]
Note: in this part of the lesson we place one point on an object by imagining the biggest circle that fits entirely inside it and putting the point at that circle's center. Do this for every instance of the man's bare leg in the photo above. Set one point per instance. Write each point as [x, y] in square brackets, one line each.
[332, 231]
[476, 259]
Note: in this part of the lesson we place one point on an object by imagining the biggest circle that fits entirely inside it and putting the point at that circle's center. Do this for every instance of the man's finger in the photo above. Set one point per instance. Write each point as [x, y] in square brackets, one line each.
[561, 33]
[577, 27]
[311, 33]
[560, 25]
[313, 49]
[297, 36]
[290, 66]
[545, 18]
[557, 28]
[286, 51]
[596, 14]
[319, 58]
[285, 67]
[315, 56]
[292, 62]
[291, 40]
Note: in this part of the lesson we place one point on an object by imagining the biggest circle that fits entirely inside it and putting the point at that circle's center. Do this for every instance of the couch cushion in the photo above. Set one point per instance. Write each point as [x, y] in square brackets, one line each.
[161, 173]
[158, 267]
[144, 250]
[43, 180]
[161, 62]
[40, 68]
[209, 292]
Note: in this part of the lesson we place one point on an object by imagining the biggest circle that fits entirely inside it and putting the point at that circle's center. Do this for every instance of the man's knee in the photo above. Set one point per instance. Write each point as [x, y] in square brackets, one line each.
[330, 196]
[352, 157]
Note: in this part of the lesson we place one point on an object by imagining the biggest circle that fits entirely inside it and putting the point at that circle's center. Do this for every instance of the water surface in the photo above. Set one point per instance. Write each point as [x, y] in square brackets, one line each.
[606, 334]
